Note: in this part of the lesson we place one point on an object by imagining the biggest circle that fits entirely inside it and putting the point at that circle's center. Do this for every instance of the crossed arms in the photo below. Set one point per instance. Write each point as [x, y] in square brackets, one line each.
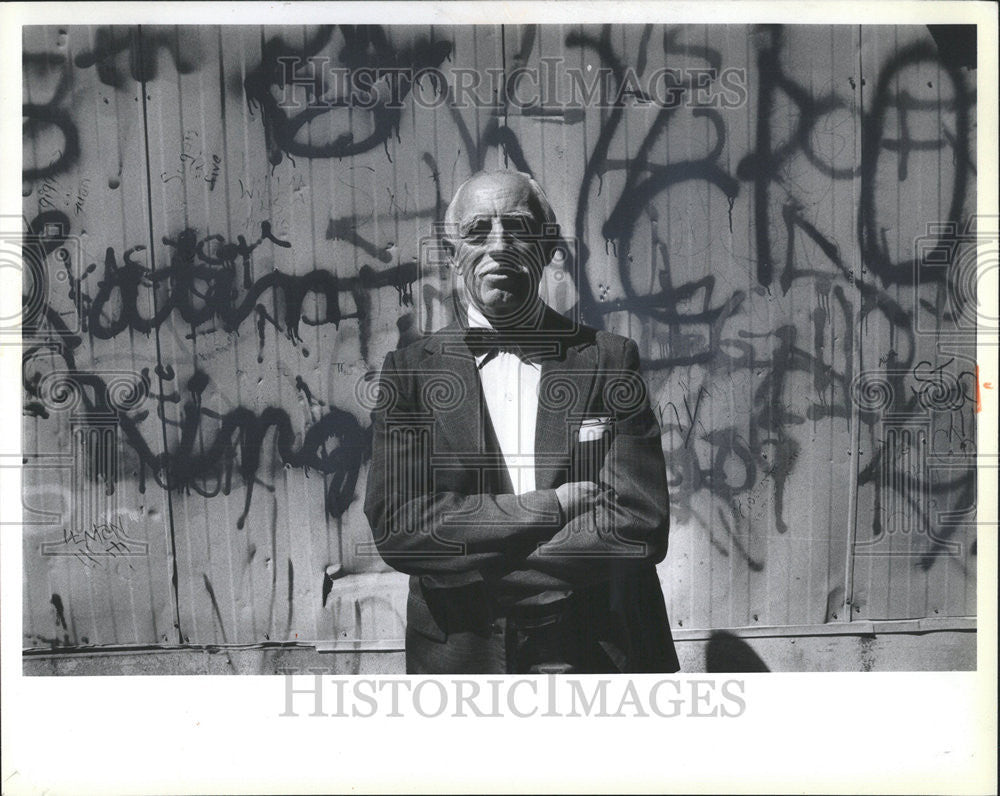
[547, 539]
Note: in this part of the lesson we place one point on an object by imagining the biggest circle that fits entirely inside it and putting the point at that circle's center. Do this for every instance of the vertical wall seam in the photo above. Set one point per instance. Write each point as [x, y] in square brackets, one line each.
[856, 365]
[156, 336]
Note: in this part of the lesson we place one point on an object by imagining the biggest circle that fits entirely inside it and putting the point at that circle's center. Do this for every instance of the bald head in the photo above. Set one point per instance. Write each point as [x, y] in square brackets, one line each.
[517, 181]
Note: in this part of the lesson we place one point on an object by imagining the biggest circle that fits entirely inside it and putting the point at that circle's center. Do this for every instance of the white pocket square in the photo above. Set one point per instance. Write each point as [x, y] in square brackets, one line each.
[594, 428]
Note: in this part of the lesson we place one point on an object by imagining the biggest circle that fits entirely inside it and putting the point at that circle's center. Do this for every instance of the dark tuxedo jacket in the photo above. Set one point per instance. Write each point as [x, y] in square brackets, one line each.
[442, 508]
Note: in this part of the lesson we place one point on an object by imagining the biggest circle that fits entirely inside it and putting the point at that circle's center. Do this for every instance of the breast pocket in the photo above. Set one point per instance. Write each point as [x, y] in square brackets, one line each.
[590, 447]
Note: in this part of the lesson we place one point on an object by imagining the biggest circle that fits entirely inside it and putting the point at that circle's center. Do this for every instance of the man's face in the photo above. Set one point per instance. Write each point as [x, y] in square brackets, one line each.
[499, 252]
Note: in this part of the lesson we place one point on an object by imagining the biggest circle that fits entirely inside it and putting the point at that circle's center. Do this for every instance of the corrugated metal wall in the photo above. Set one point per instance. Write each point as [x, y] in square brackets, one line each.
[217, 266]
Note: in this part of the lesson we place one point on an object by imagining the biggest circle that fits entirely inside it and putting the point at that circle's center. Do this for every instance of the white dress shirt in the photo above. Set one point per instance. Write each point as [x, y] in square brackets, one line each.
[510, 386]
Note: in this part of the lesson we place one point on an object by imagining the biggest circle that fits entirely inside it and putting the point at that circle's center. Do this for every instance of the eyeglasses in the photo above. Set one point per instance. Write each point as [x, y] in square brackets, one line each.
[477, 230]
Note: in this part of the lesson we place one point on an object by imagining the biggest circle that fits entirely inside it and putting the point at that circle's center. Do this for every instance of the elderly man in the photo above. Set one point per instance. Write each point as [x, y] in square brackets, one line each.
[517, 472]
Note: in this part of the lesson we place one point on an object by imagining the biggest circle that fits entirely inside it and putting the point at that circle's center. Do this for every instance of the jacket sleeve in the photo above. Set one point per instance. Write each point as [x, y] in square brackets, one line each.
[630, 521]
[420, 531]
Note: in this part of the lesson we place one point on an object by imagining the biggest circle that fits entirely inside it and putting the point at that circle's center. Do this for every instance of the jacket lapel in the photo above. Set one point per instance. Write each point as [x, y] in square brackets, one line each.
[564, 391]
[464, 430]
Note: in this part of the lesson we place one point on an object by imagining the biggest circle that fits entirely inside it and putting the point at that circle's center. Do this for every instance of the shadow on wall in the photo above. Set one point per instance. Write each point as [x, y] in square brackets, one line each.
[730, 654]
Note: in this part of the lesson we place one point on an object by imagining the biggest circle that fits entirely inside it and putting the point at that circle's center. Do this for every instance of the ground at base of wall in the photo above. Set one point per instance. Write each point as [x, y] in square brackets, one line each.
[720, 652]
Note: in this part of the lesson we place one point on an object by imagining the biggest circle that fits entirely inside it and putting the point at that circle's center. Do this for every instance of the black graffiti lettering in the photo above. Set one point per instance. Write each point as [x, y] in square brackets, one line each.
[874, 249]
[365, 49]
[202, 286]
[39, 117]
[143, 44]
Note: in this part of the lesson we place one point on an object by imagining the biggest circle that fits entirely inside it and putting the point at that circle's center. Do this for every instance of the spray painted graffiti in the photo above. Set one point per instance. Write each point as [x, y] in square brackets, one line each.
[205, 271]
[141, 47]
[363, 47]
[754, 258]
[43, 119]
[694, 323]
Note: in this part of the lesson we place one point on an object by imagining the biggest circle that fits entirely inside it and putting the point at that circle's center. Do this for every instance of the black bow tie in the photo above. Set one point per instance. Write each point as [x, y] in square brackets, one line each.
[490, 342]
[481, 341]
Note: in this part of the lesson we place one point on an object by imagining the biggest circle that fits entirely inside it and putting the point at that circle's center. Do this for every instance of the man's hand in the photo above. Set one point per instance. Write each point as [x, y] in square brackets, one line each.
[576, 497]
